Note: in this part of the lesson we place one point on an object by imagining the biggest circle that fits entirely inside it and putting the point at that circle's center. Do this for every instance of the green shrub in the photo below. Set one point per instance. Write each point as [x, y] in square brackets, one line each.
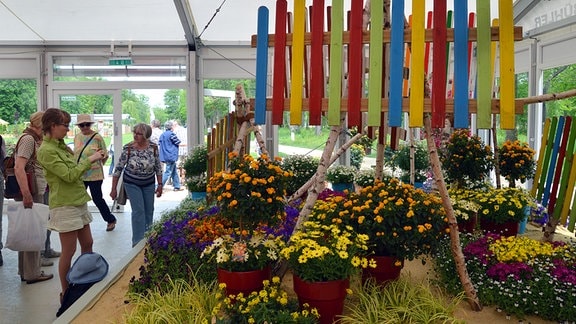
[357, 154]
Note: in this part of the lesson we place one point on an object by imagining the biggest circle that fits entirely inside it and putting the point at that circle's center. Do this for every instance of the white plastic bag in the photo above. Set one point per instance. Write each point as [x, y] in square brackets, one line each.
[26, 226]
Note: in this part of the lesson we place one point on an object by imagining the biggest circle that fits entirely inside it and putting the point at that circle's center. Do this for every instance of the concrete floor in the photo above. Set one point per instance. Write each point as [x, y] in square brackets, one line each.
[37, 303]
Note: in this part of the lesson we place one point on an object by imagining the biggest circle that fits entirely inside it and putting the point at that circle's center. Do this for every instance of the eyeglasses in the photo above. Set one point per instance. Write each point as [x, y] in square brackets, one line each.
[84, 125]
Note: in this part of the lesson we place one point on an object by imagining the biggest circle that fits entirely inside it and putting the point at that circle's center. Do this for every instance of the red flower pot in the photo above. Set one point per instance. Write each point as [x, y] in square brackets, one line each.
[243, 281]
[326, 296]
[385, 271]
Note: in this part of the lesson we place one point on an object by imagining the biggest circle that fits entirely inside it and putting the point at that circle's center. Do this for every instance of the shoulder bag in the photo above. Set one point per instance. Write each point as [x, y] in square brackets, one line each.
[12, 188]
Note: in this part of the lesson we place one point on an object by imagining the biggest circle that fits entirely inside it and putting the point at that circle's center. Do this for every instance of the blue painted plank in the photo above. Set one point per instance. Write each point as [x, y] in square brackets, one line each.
[261, 66]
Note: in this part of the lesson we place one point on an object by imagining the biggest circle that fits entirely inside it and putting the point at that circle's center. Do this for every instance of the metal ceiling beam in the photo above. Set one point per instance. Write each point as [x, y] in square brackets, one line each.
[188, 23]
[522, 7]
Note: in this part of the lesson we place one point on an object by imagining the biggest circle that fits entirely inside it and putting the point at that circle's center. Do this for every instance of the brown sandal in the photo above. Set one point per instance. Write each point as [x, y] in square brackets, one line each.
[42, 277]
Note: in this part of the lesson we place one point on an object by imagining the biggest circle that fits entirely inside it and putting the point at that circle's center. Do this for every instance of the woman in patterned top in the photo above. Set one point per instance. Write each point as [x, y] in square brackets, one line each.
[142, 170]
[85, 144]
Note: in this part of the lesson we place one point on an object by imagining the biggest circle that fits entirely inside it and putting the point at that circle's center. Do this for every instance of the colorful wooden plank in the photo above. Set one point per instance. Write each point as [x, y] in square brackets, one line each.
[317, 63]
[572, 220]
[417, 66]
[406, 70]
[562, 212]
[553, 160]
[471, 24]
[559, 166]
[484, 74]
[546, 138]
[279, 78]
[569, 194]
[461, 64]
[439, 64]
[493, 46]
[396, 64]
[376, 51]
[297, 74]
[507, 76]
[429, 20]
[335, 85]
[355, 65]
[261, 67]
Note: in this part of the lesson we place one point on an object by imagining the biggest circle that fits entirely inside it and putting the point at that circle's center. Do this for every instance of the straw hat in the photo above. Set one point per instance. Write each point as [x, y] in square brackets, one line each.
[84, 118]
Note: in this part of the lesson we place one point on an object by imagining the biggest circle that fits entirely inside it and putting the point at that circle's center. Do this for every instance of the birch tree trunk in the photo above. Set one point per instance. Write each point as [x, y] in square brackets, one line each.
[333, 158]
[452, 224]
[320, 176]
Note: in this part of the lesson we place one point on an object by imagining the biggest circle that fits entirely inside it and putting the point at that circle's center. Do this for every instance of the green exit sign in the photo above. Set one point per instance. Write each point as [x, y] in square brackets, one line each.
[120, 61]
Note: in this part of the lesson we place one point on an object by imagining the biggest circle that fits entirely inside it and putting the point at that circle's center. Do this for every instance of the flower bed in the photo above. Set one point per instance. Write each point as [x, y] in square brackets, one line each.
[519, 275]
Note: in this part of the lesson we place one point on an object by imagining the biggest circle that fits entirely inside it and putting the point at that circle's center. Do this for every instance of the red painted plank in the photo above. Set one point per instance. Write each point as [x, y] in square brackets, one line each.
[316, 63]
[439, 65]
[279, 79]
[427, 48]
[355, 65]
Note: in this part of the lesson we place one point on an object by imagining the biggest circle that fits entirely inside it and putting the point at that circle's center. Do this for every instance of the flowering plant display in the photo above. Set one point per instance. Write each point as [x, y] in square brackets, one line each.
[365, 177]
[503, 205]
[465, 159]
[244, 252]
[252, 192]
[196, 183]
[303, 168]
[319, 252]
[271, 304]
[401, 159]
[341, 174]
[516, 161]
[399, 220]
[519, 275]
[464, 203]
[539, 214]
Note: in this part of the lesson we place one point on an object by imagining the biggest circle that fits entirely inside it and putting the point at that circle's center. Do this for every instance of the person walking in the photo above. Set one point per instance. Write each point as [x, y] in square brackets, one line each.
[142, 170]
[169, 144]
[26, 159]
[86, 143]
[68, 198]
[156, 131]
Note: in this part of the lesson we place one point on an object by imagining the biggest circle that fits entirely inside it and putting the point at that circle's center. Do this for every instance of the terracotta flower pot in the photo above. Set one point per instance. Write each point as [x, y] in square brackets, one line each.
[386, 270]
[243, 281]
[506, 229]
[468, 226]
[326, 296]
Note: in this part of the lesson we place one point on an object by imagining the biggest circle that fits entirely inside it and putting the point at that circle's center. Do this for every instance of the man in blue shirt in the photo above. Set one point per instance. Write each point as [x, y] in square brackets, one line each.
[169, 143]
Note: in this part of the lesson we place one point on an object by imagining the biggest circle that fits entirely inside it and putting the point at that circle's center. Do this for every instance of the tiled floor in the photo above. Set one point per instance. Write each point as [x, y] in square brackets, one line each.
[38, 303]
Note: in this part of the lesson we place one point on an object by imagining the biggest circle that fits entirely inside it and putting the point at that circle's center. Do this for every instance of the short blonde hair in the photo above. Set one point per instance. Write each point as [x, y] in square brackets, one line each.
[36, 119]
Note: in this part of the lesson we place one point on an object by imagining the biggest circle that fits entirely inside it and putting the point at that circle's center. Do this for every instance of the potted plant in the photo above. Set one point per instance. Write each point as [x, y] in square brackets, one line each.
[516, 161]
[465, 159]
[341, 177]
[465, 208]
[322, 258]
[402, 222]
[271, 304]
[303, 168]
[365, 177]
[195, 165]
[502, 209]
[244, 260]
[251, 192]
[250, 196]
[402, 157]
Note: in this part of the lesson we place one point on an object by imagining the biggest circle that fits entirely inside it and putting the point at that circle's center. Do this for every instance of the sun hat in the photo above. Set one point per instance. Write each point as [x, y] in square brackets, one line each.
[84, 118]
[88, 268]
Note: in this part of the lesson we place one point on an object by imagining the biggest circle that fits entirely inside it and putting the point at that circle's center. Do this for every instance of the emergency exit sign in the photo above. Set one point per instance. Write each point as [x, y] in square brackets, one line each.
[120, 61]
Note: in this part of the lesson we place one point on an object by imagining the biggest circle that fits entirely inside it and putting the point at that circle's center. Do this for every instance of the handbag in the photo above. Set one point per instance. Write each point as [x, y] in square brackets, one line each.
[12, 188]
[26, 226]
[122, 197]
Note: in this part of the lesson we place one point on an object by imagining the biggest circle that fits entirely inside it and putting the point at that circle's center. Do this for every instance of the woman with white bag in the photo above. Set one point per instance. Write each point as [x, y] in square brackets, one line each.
[68, 200]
